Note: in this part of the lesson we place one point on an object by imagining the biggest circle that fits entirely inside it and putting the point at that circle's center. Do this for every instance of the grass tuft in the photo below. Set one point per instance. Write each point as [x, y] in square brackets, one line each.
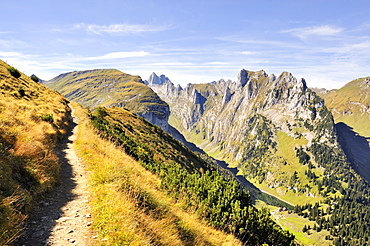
[28, 165]
[129, 207]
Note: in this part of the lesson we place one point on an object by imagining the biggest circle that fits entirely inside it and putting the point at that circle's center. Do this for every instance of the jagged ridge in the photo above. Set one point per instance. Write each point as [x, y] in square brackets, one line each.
[278, 133]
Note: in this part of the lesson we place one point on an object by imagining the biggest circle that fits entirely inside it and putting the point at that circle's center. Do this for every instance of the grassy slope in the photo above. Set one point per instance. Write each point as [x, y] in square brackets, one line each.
[351, 105]
[107, 87]
[343, 103]
[129, 207]
[28, 164]
[291, 221]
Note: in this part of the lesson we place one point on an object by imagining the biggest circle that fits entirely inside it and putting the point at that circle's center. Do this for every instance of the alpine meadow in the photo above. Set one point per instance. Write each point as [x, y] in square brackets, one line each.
[195, 123]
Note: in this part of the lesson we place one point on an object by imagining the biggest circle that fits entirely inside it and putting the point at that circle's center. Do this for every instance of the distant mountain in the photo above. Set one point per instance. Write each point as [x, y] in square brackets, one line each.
[350, 106]
[155, 80]
[178, 203]
[110, 87]
[280, 135]
[258, 123]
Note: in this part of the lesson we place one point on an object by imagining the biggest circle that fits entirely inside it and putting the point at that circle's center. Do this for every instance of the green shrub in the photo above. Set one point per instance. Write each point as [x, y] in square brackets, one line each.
[21, 91]
[34, 78]
[217, 198]
[48, 118]
[100, 112]
[14, 72]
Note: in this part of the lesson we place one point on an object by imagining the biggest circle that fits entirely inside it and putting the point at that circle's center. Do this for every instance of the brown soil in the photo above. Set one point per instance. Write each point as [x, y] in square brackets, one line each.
[63, 218]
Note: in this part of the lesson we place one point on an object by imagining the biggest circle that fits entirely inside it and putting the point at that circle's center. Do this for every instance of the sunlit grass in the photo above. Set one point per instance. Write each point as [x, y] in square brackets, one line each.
[295, 224]
[28, 164]
[350, 105]
[129, 207]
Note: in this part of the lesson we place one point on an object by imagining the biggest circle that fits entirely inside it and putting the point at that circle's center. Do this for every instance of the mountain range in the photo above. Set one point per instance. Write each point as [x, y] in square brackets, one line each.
[279, 133]
[287, 144]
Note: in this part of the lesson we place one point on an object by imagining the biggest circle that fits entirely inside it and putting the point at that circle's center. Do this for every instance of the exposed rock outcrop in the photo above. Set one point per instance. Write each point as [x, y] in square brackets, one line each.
[242, 122]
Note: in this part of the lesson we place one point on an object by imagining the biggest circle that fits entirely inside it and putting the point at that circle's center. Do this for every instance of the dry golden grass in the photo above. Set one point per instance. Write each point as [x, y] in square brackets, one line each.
[28, 164]
[128, 206]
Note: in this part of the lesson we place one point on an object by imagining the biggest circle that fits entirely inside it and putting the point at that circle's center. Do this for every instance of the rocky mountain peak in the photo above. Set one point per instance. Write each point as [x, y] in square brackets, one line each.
[155, 80]
[179, 88]
[246, 76]
[288, 81]
[243, 77]
[258, 74]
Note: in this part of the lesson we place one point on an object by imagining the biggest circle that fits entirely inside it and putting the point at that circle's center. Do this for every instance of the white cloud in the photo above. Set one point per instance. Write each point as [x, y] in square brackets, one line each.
[248, 52]
[305, 32]
[361, 49]
[179, 64]
[216, 63]
[9, 54]
[118, 55]
[120, 29]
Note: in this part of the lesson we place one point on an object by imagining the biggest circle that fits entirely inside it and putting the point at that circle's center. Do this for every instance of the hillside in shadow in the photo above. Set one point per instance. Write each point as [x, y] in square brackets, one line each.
[356, 147]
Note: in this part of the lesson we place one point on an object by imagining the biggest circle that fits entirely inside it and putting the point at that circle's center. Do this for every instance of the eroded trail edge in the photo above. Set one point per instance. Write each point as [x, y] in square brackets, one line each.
[64, 217]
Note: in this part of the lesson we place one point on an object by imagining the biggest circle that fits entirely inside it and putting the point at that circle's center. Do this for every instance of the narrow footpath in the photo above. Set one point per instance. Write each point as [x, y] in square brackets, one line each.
[64, 217]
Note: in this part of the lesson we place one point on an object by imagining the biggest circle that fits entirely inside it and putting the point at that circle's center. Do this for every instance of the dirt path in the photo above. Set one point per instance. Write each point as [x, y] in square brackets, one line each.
[64, 217]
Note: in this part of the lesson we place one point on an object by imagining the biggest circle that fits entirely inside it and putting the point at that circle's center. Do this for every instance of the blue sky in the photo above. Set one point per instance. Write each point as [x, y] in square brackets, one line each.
[325, 42]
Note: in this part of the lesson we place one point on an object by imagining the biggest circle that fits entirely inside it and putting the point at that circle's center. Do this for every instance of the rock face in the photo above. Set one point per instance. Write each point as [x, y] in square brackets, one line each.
[155, 80]
[110, 87]
[220, 107]
[258, 124]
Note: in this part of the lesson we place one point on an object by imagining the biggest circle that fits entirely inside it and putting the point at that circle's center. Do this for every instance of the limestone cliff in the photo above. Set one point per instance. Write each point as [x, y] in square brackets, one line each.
[272, 128]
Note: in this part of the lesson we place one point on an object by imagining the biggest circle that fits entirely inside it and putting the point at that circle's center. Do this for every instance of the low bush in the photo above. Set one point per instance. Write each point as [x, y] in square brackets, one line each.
[14, 72]
[48, 118]
[34, 78]
[218, 199]
[21, 91]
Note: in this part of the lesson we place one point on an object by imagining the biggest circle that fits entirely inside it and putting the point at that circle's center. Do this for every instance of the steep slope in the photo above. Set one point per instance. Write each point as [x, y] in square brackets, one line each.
[280, 136]
[257, 124]
[63, 215]
[129, 207]
[33, 119]
[187, 178]
[350, 106]
[110, 87]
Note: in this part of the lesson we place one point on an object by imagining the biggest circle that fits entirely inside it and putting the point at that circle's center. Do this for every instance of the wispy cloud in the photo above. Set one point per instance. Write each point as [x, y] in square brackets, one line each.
[118, 55]
[248, 52]
[216, 63]
[355, 48]
[15, 55]
[9, 54]
[120, 29]
[179, 64]
[305, 32]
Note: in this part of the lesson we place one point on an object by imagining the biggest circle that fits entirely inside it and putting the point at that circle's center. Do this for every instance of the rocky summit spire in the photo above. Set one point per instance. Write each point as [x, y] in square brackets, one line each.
[155, 80]
[243, 77]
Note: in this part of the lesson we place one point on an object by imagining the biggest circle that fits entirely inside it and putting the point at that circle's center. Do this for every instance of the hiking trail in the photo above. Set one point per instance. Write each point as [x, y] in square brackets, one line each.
[63, 217]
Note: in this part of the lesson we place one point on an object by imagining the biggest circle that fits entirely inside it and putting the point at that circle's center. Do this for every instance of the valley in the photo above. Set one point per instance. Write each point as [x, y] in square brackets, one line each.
[220, 163]
[278, 134]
